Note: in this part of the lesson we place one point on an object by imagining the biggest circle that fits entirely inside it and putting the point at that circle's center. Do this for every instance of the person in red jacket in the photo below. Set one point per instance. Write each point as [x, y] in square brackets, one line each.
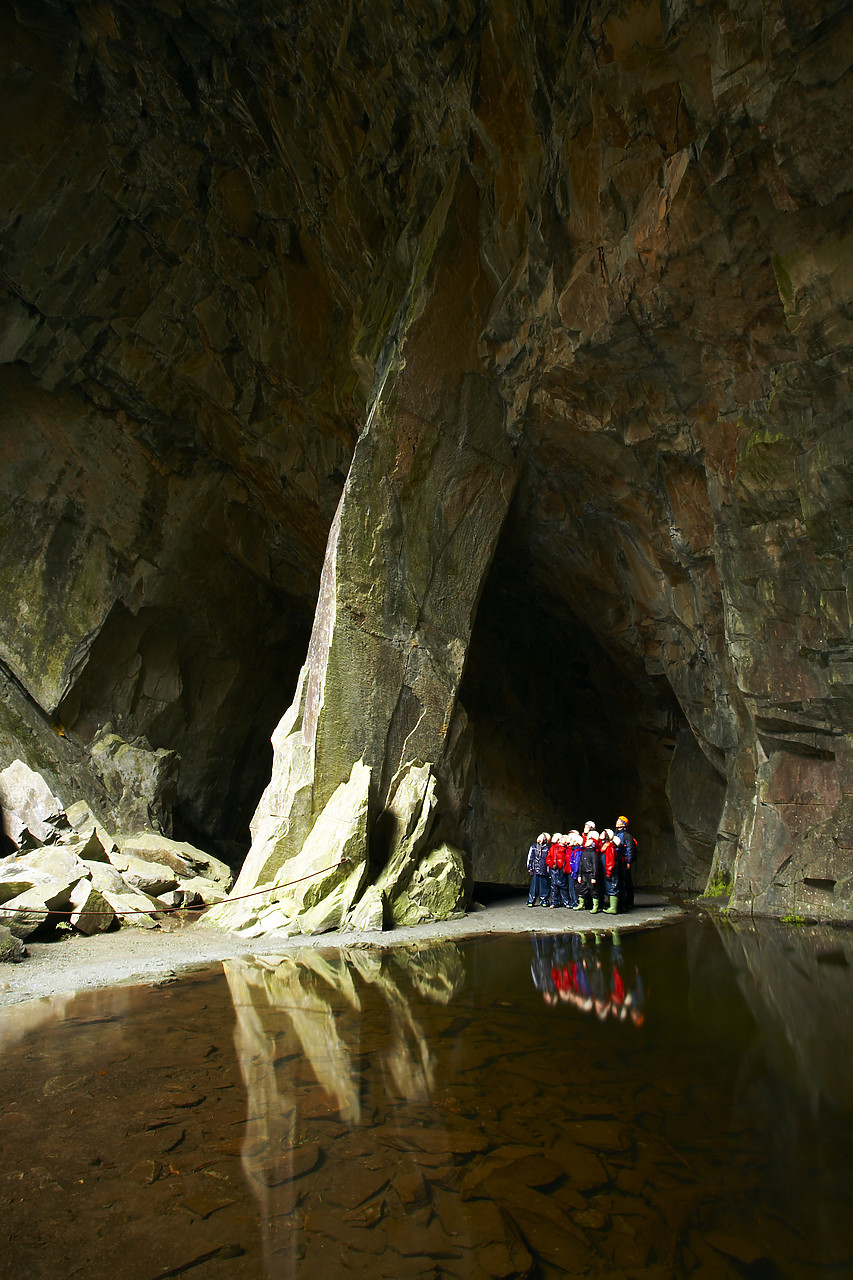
[557, 858]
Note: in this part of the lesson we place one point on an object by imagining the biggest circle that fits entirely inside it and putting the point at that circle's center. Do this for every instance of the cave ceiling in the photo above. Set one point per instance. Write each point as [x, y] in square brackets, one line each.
[227, 229]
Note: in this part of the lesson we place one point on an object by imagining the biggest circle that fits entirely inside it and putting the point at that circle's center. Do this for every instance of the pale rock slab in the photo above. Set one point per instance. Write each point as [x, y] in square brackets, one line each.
[148, 877]
[130, 906]
[197, 889]
[58, 862]
[368, 914]
[28, 910]
[92, 913]
[28, 805]
[17, 877]
[317, 887]
[436, 890]
[185, 860]
[409, 817]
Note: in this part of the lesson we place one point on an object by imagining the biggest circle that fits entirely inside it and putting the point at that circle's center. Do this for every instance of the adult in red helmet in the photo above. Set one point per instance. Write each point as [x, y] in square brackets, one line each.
[626, 848]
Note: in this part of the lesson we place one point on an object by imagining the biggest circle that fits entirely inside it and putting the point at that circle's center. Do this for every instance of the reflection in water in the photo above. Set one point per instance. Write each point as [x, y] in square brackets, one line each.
[427, 1113]
[588, 971]
[299, 1004]
[798, 984]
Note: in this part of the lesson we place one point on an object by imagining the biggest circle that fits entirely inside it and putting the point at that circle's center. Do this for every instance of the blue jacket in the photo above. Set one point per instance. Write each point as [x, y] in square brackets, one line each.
[626, 845]
[536, 858]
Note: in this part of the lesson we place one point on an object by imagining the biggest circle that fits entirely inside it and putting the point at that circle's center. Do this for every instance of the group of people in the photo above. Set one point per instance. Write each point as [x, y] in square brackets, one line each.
[581, 870]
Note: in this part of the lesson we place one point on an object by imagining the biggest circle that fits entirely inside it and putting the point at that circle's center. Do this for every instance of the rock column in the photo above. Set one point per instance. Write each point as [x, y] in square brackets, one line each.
[414, 535]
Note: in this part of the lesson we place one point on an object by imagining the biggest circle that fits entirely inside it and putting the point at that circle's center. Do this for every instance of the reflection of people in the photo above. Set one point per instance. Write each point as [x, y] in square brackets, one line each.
[569, 969]
[540, 966]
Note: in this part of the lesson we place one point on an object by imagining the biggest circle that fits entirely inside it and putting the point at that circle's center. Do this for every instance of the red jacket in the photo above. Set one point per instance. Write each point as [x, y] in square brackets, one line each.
[608, 850]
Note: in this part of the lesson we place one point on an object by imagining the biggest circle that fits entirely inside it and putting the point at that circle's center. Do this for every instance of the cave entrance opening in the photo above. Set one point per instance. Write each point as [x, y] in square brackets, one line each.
[564, 731]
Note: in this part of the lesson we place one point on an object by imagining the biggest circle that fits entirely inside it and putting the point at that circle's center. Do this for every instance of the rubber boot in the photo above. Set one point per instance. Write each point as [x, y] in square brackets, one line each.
[596, 906]
[613, 909]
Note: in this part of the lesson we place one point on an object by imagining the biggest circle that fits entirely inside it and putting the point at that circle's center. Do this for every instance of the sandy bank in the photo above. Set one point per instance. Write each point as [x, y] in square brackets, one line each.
[75, 963]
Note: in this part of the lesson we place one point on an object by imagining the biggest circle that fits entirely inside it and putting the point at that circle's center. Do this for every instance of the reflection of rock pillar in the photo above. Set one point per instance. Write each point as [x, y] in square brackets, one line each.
[424, 503]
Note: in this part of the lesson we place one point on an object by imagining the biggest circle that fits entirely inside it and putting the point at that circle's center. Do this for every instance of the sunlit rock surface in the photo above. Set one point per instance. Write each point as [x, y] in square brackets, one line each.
[552, 307]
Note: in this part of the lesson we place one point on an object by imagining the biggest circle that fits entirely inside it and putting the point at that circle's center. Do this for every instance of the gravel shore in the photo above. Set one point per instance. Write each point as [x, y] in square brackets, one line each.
[130, 955]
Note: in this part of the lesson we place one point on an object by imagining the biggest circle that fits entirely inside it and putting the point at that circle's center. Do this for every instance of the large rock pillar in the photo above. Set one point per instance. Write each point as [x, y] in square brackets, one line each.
[414, 535]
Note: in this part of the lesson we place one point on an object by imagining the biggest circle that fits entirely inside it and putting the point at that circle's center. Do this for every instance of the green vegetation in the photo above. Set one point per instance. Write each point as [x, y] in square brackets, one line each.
[719, 885]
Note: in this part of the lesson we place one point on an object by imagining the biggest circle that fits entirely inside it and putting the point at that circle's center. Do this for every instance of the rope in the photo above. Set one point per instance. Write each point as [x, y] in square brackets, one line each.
[164, 910]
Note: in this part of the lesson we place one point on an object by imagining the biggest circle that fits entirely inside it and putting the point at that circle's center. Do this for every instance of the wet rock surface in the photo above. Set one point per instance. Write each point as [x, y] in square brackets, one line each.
[552, 308]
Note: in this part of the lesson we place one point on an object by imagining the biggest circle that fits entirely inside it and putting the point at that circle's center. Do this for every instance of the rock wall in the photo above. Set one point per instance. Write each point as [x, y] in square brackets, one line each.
[602, 248]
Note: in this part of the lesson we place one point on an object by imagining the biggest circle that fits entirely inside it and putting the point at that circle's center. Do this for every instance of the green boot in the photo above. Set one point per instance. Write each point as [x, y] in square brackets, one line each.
[613, 909]
[596, 905]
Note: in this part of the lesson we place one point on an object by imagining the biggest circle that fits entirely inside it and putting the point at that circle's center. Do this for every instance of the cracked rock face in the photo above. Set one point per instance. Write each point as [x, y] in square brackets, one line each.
[552, 306]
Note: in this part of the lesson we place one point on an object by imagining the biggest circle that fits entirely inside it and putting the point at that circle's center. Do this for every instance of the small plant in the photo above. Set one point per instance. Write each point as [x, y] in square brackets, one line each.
[719, 885]
[793, 918]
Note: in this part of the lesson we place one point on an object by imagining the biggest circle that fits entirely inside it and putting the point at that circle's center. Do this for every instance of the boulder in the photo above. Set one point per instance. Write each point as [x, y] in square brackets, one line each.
[139, 781]
[314, 890]
[138, 873]
[368, 914]
[184, 859]
[11, 948]
[58, 862]
[16, 877]
[91, 911]
[26, 912]
[199, 890]
[406, 823]
[130, 906]
[436, 890]
[29, 806]
[86, 827]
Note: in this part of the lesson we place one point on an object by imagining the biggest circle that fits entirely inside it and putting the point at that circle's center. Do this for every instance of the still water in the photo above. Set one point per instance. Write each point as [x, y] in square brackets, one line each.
[665, 1104]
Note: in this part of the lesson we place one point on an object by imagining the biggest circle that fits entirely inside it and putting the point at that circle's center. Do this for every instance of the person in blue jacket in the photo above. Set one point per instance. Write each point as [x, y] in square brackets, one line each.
[537, 869]
[626, 848]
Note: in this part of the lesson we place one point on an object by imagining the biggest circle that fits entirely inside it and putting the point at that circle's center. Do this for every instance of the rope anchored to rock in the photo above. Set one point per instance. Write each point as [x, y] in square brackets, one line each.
[164, 910]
